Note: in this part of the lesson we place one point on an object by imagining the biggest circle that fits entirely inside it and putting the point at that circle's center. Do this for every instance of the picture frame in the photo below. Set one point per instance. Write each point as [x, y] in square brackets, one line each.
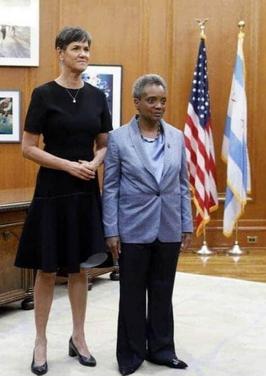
[109, 79]
[19, 33]
[9, 116]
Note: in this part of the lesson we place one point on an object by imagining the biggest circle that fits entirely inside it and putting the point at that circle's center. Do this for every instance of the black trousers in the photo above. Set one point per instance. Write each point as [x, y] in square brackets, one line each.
[146, 271]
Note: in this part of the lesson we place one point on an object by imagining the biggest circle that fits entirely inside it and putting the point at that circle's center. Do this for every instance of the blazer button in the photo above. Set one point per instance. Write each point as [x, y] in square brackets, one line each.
[157, 194]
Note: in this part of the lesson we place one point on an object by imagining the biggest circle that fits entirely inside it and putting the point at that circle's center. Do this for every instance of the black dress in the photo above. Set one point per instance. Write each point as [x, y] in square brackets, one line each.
[64, 226]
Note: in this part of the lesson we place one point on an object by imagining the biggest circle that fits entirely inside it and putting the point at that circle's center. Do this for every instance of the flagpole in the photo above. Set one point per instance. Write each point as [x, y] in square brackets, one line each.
[204, 250]
[201, 24]
[241, 26]
[236, 250]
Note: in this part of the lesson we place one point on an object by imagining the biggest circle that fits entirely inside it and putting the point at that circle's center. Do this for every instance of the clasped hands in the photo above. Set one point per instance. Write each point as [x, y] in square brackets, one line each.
[82, 169]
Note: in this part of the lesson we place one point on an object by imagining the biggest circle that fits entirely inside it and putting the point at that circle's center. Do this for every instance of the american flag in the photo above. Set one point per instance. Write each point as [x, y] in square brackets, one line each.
[199, 144]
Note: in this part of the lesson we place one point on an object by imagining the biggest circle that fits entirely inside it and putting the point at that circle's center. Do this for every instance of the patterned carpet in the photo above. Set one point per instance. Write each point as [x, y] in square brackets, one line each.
[220, 330]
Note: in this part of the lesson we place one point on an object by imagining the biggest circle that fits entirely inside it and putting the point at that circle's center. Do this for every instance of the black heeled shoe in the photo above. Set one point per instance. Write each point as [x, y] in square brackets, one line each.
[39, 370]
[84, 360]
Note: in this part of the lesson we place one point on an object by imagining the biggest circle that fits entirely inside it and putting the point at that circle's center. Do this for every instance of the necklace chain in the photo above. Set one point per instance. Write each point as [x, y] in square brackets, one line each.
[73, 97]
[158, 132]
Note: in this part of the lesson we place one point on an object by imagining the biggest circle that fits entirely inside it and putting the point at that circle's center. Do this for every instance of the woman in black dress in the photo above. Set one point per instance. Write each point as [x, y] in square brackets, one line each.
[64, 226]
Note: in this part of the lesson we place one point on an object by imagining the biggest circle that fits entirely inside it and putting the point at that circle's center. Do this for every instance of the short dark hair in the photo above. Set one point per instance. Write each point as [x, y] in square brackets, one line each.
[148, 79]
[71, 34]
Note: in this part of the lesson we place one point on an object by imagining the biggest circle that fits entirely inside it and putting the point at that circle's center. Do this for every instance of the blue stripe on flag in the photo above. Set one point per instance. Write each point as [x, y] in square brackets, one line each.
[239, 70]
[227, 126]
[236, 151]
[229, 196]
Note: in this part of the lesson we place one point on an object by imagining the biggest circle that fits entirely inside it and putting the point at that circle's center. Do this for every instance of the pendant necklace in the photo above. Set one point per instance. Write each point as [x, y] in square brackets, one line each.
[73, 97]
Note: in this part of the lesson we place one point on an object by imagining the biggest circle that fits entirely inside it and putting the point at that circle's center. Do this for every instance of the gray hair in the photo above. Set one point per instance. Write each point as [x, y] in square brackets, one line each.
[148, 79]
[71, 34]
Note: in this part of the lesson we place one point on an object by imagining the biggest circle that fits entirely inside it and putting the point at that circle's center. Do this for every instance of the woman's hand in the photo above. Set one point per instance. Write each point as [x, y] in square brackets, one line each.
[186, 240]
[92, 165]
[113, 244]
[81, 170]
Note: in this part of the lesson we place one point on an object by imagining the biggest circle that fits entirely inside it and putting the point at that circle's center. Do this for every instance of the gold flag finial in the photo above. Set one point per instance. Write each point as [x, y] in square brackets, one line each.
[241, 26]
[201, 24]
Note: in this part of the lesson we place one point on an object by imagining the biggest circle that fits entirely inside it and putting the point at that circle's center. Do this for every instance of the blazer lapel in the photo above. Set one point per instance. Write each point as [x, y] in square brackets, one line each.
[137, 142]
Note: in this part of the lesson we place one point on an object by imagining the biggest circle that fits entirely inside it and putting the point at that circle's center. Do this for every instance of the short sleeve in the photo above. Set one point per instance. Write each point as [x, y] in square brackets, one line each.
[35, 117]
[106, 120]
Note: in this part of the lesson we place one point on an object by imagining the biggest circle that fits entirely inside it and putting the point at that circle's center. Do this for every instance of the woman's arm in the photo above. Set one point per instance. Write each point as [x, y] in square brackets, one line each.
[101, 147]
[100, 151]
[31, 151]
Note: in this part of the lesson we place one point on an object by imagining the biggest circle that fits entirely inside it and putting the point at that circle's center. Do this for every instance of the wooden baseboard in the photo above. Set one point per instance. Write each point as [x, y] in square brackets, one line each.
[251, 235]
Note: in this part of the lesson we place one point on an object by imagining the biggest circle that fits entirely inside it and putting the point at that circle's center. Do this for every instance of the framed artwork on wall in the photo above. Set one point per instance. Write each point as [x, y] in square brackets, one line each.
[108, 78]
[9, 116]
[19, 32]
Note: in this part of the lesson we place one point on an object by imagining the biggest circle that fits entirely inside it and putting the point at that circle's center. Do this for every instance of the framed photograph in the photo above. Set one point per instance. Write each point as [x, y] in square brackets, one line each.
[19, 32]
[108, 78]
[9, 116]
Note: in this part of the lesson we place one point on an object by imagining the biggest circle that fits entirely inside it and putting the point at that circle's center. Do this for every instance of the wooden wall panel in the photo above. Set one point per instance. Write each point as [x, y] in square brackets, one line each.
[16, 172]
[159, 36]
[116, 28]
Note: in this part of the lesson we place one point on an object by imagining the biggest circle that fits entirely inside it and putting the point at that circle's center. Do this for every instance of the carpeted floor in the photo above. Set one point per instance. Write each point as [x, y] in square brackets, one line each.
[220, 330]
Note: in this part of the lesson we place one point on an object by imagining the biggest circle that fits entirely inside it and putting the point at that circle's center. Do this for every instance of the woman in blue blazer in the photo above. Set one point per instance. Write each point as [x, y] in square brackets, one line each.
[147, 215]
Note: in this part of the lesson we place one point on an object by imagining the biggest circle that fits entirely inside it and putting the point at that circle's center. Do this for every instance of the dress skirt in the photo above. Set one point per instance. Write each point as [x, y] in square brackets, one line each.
[64, 224]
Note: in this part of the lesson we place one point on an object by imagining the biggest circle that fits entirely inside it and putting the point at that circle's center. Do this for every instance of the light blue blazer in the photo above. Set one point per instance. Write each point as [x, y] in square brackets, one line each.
[135, 207]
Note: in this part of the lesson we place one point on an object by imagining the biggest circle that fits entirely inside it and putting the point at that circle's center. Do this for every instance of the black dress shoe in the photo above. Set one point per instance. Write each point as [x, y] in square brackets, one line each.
[39, 370]
[171, 363]
[84, 360]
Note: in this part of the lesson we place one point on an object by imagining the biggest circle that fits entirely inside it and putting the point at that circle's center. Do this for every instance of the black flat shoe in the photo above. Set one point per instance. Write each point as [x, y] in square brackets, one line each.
[84, 360]
[171, 363]
[176, 363]
[39, 370]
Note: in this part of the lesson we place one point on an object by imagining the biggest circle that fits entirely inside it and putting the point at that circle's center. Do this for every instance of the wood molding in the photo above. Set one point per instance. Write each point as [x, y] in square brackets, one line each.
[251, 235]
